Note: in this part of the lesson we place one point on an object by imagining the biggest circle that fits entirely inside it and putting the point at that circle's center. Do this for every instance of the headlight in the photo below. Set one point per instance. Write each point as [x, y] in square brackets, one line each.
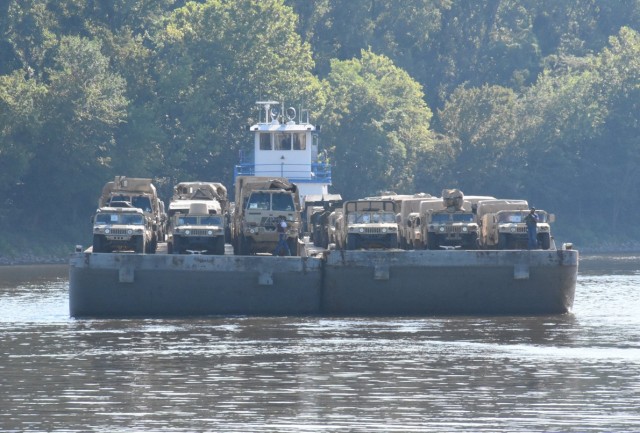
[361, 230]
[129, 231]
[187, 232]
[210, 232]
[384, 230]
[139, 231]
[441, 229]
[107, 231]
[252, 230]
[512, 229]
[465, 229]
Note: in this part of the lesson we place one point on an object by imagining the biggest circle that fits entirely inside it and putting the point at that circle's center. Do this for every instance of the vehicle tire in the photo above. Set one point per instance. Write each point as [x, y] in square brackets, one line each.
[177, 245]
[352, 242]
[471, 242]
[98, 244]
[503, 241]
[432, 241]
[245, 245]
[392, 242]
[140, 245]
[219, 246]
[169, 247]
[544, 240]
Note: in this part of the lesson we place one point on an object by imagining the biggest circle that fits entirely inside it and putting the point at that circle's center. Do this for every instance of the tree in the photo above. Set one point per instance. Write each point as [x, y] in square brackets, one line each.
[84, 104]
[378, 122]
[215, 60]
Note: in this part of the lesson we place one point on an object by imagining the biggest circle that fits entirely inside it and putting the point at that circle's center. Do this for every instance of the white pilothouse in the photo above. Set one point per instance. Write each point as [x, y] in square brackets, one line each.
[286, 145]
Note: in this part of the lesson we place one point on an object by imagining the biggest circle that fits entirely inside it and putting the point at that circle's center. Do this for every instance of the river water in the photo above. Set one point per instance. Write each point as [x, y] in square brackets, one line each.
[578, 372]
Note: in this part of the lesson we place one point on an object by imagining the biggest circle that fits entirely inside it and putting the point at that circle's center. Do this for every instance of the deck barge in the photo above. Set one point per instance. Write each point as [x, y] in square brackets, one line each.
[334, 283]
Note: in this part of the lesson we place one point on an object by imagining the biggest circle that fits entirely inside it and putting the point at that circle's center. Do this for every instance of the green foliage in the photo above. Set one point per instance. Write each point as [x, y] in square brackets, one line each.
[532, 99]
[378, 123]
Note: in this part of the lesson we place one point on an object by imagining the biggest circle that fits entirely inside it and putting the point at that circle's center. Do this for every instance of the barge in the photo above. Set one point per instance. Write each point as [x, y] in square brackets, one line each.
[332, 283]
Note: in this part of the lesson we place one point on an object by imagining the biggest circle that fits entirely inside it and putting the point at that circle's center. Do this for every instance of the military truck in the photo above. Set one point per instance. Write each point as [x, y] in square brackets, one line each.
[502, 225]
[201, 230]
[369, 224]
[406, 218]
[315, 217]
[122, 229]
[259, 203]
[453, 224]
[140, 193]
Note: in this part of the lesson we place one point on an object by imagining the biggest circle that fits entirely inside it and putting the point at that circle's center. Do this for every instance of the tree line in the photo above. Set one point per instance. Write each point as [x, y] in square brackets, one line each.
[511, 98]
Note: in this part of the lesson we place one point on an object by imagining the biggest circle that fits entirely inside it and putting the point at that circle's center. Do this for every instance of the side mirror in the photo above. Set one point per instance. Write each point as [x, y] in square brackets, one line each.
[92, 219]
[552, 217]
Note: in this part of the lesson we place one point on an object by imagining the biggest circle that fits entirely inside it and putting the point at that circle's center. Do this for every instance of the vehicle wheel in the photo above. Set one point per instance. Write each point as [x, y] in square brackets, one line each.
[432, 241]
[98, 243]
[219, 246]
[503, 241]
[169, 248]
[176, 245]
[545, 241]
[352, 242]
[140, 245]
[245, 246]
[393, 242]
[472, 242]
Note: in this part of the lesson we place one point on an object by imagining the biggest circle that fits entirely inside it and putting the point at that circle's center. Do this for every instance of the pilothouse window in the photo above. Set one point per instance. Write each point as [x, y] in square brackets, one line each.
[282, 141]
[265, 141]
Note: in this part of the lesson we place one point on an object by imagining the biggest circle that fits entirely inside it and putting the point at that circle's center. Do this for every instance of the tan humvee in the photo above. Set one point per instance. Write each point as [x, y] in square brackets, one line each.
[122, 229]
[454, 224]
[502, 225]
[140, 193]
[201, 229]
[369, 224]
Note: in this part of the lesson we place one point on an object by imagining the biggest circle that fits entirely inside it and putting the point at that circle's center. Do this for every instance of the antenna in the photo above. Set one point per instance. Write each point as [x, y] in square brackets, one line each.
[270, 114]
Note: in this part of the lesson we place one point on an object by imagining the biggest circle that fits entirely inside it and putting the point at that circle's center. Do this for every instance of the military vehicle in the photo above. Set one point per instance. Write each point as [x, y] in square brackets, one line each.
[502, 225]
[201, 229]
[453, 224]
[121, 229]
[315, 217]
[369, 224]
[259, 203]
[406, 218]
[141, 194]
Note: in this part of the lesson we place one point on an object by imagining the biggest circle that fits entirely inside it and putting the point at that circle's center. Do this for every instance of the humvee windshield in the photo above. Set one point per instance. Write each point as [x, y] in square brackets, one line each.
[518, 217]
[463, 217]
[371, 217]
[440, 218]
[200, 220]
[114, 218]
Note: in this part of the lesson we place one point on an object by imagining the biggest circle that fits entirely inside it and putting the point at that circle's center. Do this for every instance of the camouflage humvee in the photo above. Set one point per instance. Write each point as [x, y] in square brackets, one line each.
[122, 229]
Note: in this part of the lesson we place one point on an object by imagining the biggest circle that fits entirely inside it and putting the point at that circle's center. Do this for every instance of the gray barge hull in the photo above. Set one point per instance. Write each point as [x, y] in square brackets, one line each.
[341, 283]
